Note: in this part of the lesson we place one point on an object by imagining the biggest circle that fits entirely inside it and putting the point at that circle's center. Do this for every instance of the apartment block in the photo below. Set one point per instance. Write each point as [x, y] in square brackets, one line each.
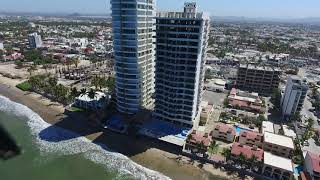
[293, 98]
[277, 144]
[181, 41]
[312, 165]
[34, 40]
[260, 79]
[133, 37]
[224, 132]
[251, 138]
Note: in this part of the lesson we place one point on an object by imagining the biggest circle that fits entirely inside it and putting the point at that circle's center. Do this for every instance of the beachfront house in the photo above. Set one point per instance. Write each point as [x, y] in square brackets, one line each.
[197, 142]
[224, 132]
[99, 101]
[277, 167]
[253, 154]
[312, 165]
[251, 138]
[278, 144]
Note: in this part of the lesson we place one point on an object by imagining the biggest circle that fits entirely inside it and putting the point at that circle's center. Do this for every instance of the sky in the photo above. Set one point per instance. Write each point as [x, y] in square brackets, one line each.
[245, 8]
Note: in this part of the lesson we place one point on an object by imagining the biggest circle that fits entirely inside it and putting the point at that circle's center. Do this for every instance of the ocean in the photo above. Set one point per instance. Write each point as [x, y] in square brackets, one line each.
[76, 158]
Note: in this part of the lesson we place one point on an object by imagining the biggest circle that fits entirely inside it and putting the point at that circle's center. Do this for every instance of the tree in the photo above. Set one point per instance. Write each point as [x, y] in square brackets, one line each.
[226, 152]
[83, 91]
[242, 158]
[31, 69]
[276, 99]
[19, 64]
[91, 94]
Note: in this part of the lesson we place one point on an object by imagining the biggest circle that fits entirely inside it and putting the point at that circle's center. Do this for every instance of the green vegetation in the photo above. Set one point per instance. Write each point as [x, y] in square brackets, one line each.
[309, 130]
[101, 82]
[25, 86]
[37, 58]
[226, 152]
[276, 99]
[49, 87]
[213, 148]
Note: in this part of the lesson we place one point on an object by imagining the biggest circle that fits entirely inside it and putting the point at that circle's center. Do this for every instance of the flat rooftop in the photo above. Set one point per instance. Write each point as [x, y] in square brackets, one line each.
[182, 15]
[278, 162]
[255, 67]
[267, 126]
[279, 140]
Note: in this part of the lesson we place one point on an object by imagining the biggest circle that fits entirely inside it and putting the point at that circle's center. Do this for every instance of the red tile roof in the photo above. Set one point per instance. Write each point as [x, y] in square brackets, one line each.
[247, 151]
[251, 135]
[246, 104]
[315, 161]
[198, 137]
[225, 129]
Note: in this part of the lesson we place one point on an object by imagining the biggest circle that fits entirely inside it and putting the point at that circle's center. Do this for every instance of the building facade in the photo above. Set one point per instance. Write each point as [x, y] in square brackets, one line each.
[312, 165]
[35, 41]
[294, 96]
[224, 132]
[260, 79]
[133, 30]
[180, 58]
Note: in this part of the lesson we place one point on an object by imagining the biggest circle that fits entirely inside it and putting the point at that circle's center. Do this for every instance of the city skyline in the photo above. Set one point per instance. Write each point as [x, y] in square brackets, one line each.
[243, 8]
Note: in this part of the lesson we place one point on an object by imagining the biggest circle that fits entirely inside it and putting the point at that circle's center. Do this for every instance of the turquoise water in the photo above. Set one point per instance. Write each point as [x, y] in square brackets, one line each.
[74, 159]
[298, 169]
[239, 129]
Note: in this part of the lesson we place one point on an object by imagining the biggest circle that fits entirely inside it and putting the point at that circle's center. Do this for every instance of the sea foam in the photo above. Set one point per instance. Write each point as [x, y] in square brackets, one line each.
[96, 153]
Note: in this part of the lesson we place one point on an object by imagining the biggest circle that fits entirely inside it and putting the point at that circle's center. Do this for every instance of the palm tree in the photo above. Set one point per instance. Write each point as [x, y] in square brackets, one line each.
[31, 69]
[83, 91]
[226, 152]
[91, 94]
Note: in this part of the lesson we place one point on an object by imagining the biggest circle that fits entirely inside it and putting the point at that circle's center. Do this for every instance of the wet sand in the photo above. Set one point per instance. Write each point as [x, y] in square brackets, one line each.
[150, 153]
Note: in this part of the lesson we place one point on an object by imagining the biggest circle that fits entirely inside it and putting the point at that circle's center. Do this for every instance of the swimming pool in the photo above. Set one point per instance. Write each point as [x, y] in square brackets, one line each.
[239, 129]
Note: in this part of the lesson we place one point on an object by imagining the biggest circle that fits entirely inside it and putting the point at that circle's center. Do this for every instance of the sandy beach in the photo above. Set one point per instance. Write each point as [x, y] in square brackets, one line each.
[147, 152]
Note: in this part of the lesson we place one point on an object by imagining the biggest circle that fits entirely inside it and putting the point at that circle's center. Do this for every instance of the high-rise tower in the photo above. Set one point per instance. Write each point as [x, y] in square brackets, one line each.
[133, 29]
[181, 41]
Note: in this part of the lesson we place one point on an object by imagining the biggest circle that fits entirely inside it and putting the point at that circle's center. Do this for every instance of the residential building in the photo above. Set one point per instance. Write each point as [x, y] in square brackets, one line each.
[251, 138]
[180, 59]
[277, 167]
[278, 144]
[197, 140]
[133, 31]
[260, 79]
[267, 126]
[98, 102]
[206, 111]
[293, 98]
[312, 165]
[248, 151]
[35, 40]
[246, 101]
[224, 132]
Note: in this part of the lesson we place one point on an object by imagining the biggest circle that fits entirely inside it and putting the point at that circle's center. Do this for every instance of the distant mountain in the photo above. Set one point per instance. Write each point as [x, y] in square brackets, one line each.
[307, 20]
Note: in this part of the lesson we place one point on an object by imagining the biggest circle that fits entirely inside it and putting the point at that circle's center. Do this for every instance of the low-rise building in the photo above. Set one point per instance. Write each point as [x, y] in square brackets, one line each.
[198, 141]
[99, 101]
[277, 167]
[206, 111]
[246, 101]
[224, 132]
[267, 126]
[312, 165]
[278, 144]
[247, 151]
[251, 138]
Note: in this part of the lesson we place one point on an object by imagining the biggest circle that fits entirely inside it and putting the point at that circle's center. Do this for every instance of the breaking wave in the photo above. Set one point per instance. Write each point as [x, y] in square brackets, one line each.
[80, 145]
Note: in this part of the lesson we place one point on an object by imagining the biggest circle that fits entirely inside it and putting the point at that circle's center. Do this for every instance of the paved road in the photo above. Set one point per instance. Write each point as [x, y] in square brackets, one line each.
[306, 114]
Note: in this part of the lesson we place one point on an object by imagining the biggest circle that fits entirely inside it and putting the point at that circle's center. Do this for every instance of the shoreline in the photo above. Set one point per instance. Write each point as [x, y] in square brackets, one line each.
[147, 152]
